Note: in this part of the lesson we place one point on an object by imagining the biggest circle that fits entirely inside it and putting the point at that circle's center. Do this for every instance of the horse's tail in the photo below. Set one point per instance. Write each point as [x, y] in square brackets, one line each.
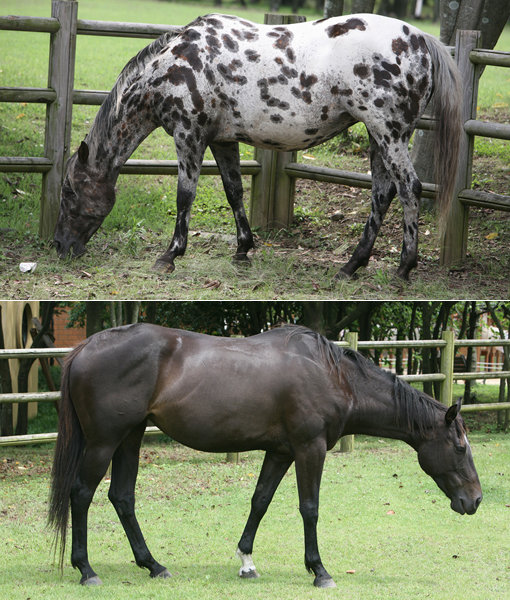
[67, 460]
[446, 107]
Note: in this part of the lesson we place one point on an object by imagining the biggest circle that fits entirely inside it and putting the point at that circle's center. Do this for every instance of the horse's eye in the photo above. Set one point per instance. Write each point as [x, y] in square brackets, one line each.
[460, 449]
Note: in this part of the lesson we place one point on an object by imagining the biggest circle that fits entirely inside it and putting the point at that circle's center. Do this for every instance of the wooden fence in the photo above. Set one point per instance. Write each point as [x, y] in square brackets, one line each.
[274, 173]
[446, 377]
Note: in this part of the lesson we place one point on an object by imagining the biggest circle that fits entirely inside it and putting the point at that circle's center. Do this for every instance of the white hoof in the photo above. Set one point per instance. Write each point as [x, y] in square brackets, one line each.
[247, 570]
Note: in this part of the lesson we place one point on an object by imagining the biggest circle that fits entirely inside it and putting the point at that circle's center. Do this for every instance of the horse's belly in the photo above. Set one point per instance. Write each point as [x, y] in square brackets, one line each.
[292, 132]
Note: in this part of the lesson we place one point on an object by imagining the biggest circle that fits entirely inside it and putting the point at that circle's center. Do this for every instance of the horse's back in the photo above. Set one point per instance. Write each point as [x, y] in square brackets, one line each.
[288, 86]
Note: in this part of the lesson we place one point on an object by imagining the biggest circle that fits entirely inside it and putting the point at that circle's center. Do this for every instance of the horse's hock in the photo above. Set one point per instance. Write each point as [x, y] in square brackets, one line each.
[273, 172]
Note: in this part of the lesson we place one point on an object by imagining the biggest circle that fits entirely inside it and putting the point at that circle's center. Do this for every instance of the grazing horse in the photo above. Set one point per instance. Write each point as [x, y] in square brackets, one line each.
[289, 392]
[222, 80]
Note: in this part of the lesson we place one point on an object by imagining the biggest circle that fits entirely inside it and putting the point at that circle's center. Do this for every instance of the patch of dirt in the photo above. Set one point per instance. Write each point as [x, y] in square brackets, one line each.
[339, 215]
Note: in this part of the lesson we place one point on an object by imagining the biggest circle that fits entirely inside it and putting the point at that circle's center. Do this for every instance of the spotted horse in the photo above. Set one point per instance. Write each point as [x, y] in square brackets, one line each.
[222, 80]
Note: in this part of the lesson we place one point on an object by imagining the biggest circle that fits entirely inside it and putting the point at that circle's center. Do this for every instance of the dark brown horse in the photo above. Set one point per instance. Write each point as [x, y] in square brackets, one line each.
[289, 392]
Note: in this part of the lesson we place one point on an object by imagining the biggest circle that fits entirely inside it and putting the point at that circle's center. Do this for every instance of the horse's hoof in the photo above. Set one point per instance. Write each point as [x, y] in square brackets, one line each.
[164, 574]
[403, 275]
[324, 582]
[248, 574]
[342, 276]
[241, 259]
[91, 581]
[162, 266]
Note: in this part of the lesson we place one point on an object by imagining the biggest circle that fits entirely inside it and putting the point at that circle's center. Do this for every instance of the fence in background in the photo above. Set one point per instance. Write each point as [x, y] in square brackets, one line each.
[446, 377]
[274, 173]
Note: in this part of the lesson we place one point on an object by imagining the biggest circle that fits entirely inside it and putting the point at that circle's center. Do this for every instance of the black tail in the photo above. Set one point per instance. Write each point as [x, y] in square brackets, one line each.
[66, 463]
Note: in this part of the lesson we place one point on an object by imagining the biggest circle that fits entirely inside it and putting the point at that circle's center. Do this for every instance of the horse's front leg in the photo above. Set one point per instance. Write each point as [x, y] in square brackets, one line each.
[190, 157]
[309, 464]
[228, 161]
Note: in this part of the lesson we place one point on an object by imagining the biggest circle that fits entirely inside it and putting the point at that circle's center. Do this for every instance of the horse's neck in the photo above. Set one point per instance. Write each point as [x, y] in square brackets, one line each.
[115, 135]
[377, 413]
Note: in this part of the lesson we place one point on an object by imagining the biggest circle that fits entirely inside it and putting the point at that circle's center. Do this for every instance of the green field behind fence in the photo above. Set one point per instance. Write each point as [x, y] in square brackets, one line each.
[298, 263]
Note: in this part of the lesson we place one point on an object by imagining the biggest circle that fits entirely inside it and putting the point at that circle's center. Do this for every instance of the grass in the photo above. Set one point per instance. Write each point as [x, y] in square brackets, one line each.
[299, 262]
[381, 516]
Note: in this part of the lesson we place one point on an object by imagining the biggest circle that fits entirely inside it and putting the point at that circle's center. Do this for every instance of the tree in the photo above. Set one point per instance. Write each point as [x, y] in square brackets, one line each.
[25, 365]
[499, 315]
[489, 18]
[472, 325]
[5, 388]
[333, 8]
[362, 6]
[394, 8]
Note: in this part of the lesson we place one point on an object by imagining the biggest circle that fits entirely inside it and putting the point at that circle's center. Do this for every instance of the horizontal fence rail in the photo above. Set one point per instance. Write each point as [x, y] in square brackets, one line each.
[282, 172]
[449, 344]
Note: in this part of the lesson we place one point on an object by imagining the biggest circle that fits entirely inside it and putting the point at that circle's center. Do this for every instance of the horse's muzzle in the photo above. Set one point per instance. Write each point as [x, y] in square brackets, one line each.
[464, 505]
[68, 247]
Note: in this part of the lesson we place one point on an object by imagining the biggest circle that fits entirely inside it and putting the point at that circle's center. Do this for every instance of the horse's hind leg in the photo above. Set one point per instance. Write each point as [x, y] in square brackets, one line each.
[398, 162]
[94, 465]
[273, 469]
[228, 161]
[190, 154]
[383, 192]
[122, 496]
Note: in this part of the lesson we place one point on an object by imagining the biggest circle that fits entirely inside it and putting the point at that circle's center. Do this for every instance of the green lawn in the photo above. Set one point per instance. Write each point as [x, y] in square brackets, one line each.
[381, 517]
[296, 263]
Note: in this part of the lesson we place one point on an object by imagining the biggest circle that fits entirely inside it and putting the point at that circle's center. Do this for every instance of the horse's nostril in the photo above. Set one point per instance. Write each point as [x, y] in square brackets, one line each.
[478, 500]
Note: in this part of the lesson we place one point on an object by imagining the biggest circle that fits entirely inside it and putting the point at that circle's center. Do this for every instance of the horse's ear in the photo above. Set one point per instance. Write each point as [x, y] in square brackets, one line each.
[452, 412]
[83, 153]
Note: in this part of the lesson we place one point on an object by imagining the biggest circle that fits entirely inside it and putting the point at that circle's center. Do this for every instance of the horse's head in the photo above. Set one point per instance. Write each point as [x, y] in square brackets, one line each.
[446, 457]
[85, 201]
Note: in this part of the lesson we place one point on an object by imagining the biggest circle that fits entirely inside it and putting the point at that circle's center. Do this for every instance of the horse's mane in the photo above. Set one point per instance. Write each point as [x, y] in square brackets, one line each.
[135, 66]
[415, 410]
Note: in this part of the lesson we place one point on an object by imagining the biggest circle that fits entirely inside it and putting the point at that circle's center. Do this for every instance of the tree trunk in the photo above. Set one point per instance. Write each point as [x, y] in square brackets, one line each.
[489, 18]
[399, 368]
[132, 310]
[25, 364]
[362, 6]
[313, 316]
[333, 8]
[439, 327]
[464, 322]
[400, 7]
[95, 311]
[473, 319]
[426, 318]
[418, 7]
[410, 351]
[503, 416]
[5, 388]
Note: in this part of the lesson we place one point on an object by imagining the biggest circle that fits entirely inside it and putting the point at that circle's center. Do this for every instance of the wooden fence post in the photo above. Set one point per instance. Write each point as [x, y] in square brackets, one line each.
[447, 365]
[347, 441]
[272, 190]
[58, 113]
[454, 239]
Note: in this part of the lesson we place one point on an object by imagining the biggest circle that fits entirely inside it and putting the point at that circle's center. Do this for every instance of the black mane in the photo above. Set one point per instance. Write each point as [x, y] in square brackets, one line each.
[416, 410]
[129, 74]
